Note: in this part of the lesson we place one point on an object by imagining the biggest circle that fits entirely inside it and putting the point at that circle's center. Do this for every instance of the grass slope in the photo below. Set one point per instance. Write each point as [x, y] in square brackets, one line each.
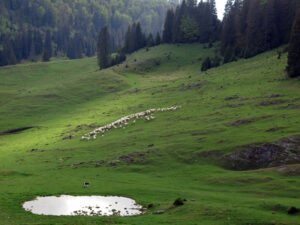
[58, 96]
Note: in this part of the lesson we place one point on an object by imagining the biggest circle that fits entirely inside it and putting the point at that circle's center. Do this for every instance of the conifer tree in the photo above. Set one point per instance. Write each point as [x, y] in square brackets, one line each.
[32, 53]
[9, 55]
[180, 12]
[271, 35]
[103, 48]
[176, 31]
[150, 41]
[139, 37]
[167, 33]
[157, 39]
[228, 7]
[127, 40]
[294, 48]
[254, 34]
[38, 42]
[47, 51]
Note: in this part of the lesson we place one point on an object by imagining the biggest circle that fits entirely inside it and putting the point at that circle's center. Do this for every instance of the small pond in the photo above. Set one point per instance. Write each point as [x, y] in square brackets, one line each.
[66, 205]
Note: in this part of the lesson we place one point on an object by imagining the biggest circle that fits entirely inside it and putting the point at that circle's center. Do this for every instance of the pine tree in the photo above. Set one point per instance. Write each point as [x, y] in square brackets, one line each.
[157, 39]
[287, 10]
[32, 54]
[254, 34]
[228, 36]
[150, 41]
[271, 35]
[176, 31]
[127, 40]
[167, 33]
[139, 37]
[47, 51]
[9, 54]
[294, 48]
[228, 7]
[103, 48]
[133, 43]
[38, 42]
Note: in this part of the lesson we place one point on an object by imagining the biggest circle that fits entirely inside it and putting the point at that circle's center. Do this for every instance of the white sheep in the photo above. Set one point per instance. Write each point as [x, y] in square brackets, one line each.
[124, 121]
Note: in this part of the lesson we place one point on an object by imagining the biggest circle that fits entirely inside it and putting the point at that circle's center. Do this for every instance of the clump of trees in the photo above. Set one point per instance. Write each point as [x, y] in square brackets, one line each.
[211, 63]
[135, 40]
[191, 22]
[104, 57]
[293, 67]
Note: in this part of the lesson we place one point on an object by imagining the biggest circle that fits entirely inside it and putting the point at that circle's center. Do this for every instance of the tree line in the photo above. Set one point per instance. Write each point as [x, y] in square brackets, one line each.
[73, 25]
[135, 39]
[254, 26]
[249, 27]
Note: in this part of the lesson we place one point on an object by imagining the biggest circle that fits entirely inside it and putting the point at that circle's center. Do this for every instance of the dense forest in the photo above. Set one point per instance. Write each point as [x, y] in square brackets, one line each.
[293, 67]
[249, 27]
[192, 22]
[254, 26]
[34, 28]
[72, 25]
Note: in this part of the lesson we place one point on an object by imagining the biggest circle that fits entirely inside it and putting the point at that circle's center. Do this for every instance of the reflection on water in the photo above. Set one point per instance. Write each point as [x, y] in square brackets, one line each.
[66, 205]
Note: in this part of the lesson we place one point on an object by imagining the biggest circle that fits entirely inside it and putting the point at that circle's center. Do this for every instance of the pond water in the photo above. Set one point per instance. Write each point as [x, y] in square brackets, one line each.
[66, 205]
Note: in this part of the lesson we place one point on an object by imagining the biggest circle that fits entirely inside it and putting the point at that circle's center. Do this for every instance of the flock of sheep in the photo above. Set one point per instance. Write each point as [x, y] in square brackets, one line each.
[124, 121]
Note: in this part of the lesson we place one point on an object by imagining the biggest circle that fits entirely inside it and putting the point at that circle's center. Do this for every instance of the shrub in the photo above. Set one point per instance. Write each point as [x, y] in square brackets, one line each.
[292, 210]
[206, 64]
[178, 202]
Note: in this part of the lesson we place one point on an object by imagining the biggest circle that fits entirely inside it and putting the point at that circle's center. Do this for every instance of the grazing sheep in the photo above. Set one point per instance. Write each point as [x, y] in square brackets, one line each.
[124, 121]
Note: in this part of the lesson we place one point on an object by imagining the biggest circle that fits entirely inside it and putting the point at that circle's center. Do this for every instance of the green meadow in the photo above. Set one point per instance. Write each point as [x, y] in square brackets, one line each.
[178, 154]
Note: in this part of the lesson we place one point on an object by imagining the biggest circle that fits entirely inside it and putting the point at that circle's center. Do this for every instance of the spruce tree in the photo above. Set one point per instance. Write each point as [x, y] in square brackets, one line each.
[47, 51]
[32, 53]
[139, 37]
[9, 54]
[38, 42]
[180, 12]
[150, 41]
[294, 48]
[271, 35]
[167, 33]
[228, 7]
[103, 48]
[133, 43]
[127, 40]
[254, 34]
[157, 39]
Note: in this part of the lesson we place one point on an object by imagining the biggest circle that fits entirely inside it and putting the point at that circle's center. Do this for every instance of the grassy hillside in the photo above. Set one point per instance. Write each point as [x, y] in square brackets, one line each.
[180, 150]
